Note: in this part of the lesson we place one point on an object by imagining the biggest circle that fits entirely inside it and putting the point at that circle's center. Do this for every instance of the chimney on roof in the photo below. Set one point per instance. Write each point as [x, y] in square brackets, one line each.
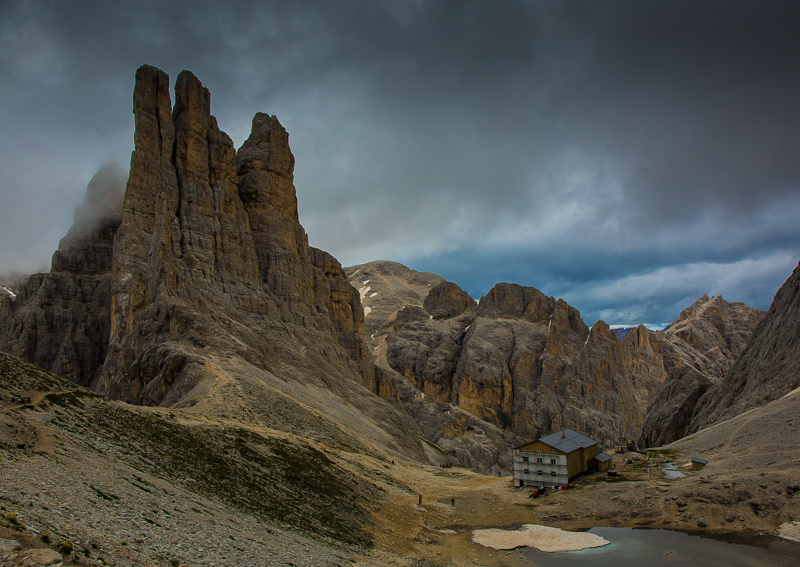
[563, 434]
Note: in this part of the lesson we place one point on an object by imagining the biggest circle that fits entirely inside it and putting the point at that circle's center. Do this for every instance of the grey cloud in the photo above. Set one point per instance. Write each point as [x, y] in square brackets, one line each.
[598, 140]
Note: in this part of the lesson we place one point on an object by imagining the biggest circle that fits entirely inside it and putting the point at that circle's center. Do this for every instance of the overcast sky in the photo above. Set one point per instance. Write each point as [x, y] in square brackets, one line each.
[626, 156]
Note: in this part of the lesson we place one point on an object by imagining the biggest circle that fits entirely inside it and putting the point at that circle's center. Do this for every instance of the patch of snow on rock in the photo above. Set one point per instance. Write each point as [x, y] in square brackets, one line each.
[367, 310]
[543, 538]
[790, 531]
[373, 294]
[362, 291]
[9, 292]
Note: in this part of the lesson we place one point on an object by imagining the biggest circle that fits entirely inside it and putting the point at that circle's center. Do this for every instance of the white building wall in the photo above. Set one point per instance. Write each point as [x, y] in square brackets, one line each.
[529, 472]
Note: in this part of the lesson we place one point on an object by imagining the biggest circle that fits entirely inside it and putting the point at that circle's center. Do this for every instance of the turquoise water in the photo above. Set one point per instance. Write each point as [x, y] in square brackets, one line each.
[656, 548]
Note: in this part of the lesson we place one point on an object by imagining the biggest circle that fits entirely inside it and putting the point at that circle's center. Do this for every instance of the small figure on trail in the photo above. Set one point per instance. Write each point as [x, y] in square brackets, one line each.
[453, 502]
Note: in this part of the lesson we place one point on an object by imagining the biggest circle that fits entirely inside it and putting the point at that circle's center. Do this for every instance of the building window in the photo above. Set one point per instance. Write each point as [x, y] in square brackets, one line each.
[524, 459]
[540, 472]
[524, 471]
[552, 450]
[553, 461]
[539, 460]
[538, 450]
[553, 473]
[525, 449]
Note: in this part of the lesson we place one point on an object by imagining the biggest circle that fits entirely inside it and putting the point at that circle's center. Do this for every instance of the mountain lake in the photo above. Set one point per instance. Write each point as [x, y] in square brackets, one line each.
[656, 548]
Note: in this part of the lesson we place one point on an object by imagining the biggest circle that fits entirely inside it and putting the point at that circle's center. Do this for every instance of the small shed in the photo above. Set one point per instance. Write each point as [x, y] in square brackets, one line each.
[698, 464]
[600, 462]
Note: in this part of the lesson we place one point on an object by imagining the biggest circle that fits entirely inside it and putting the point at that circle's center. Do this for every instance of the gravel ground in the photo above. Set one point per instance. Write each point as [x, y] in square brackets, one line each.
[82, 469]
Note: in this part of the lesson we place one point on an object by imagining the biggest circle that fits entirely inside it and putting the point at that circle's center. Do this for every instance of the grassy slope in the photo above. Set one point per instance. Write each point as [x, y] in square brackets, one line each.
[276, 479]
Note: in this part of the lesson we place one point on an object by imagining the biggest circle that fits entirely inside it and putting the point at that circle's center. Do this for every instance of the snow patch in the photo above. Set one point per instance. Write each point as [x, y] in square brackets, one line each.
[367, 310]
[9, 292]
[373, 294]
[543, 538]
[365, 282]
[790, 531]
[586, 342]
[431, 317]
[362, 291]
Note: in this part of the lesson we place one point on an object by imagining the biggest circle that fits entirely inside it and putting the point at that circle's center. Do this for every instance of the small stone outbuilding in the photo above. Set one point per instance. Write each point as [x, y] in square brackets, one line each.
[601, 462]
[698, 464]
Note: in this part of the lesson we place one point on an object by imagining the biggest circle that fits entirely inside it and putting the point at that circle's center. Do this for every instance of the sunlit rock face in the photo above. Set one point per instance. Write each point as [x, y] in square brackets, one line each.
[480, 378]
[528, 363]
[520, 364]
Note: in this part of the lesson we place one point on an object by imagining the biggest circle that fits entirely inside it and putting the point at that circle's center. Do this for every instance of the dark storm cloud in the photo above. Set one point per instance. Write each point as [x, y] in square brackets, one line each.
[586, 148]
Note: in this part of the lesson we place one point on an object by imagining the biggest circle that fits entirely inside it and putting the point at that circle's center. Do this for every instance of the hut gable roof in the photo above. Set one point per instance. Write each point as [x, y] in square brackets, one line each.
[566, 441]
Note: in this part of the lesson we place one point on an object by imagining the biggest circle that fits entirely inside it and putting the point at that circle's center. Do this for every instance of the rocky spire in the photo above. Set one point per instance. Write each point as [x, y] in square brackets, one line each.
[265, 168]
[184, 239]
[210, 282]
[211, 243]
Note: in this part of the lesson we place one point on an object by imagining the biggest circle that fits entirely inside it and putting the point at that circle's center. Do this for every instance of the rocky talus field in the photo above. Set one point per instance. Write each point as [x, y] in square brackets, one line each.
[192, 383]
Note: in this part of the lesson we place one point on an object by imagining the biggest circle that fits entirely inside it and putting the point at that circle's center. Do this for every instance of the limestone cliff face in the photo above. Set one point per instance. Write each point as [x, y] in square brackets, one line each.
[446, 301]
[60, 321]
[768, 368]
[531, 365]
[518, 365]
[521, 364]
[184, 243]
[717, 330]
[210, 247]
[698, 349]
[203, 290]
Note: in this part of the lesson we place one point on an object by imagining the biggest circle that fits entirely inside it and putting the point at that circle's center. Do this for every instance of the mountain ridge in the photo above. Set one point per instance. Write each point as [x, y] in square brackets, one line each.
[519, 353]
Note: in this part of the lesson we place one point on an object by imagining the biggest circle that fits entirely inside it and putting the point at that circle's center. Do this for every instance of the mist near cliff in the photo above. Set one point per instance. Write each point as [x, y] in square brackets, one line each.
[104, 196]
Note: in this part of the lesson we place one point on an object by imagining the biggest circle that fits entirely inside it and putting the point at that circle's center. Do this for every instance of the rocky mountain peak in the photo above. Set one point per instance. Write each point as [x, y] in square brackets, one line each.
[152, 108]
[60, 320]
[207, 272]
[692, 309]
[447, 300]
[698, 349]
[265, 166]
[717, 329]
[601, 330]
[768, 367]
